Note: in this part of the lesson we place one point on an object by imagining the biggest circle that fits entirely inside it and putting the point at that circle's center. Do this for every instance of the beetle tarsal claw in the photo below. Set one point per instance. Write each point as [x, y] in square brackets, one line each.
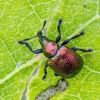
[89, 50]
[21, 42]
[81, 33]
[60, 21]
[43, 77]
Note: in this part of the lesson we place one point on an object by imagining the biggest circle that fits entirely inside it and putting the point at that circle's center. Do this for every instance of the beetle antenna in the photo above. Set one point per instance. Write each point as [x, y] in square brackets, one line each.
[43, 25]
[29, 38]
[35, 36]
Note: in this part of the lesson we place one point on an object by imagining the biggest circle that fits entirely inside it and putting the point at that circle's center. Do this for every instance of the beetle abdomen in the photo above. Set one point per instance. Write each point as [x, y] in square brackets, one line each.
[66, 63]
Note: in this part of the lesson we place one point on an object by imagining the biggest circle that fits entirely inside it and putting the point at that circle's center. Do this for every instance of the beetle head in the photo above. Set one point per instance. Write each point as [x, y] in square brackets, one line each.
[39, 34]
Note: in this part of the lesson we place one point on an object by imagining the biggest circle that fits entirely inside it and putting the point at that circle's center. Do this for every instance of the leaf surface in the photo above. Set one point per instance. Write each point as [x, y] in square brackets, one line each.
[21, 71]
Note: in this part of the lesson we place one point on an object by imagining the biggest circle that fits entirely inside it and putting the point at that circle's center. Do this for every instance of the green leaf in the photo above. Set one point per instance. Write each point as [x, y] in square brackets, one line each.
[21, 71]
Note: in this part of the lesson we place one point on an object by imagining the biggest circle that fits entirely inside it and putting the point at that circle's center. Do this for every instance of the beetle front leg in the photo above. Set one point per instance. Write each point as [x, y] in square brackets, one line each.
[83, 50]
[29, 47]
[45, 71]
[59, 33]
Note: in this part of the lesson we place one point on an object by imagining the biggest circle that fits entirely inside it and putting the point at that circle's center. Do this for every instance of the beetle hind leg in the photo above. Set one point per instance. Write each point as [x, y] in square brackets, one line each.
[45, 71]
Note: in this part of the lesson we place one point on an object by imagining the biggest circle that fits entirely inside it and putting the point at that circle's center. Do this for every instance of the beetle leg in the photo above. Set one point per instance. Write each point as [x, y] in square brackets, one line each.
[87, 50]
[76, 36]
[56, 74]
[74, 48]
[59, 33]
[29, 47]
[45, 71]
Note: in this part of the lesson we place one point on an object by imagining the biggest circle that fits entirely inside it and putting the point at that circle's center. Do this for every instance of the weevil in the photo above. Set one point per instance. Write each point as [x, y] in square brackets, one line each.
[64, 61]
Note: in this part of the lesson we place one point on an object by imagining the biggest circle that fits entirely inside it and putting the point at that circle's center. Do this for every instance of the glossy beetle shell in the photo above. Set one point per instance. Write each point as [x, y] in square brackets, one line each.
[66, 62]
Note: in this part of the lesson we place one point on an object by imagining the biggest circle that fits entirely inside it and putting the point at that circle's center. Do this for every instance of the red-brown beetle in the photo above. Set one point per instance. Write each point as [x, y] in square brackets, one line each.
[62, 59]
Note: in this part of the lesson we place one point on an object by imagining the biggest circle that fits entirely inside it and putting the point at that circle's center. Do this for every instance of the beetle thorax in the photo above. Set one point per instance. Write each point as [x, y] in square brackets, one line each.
[49, 48]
